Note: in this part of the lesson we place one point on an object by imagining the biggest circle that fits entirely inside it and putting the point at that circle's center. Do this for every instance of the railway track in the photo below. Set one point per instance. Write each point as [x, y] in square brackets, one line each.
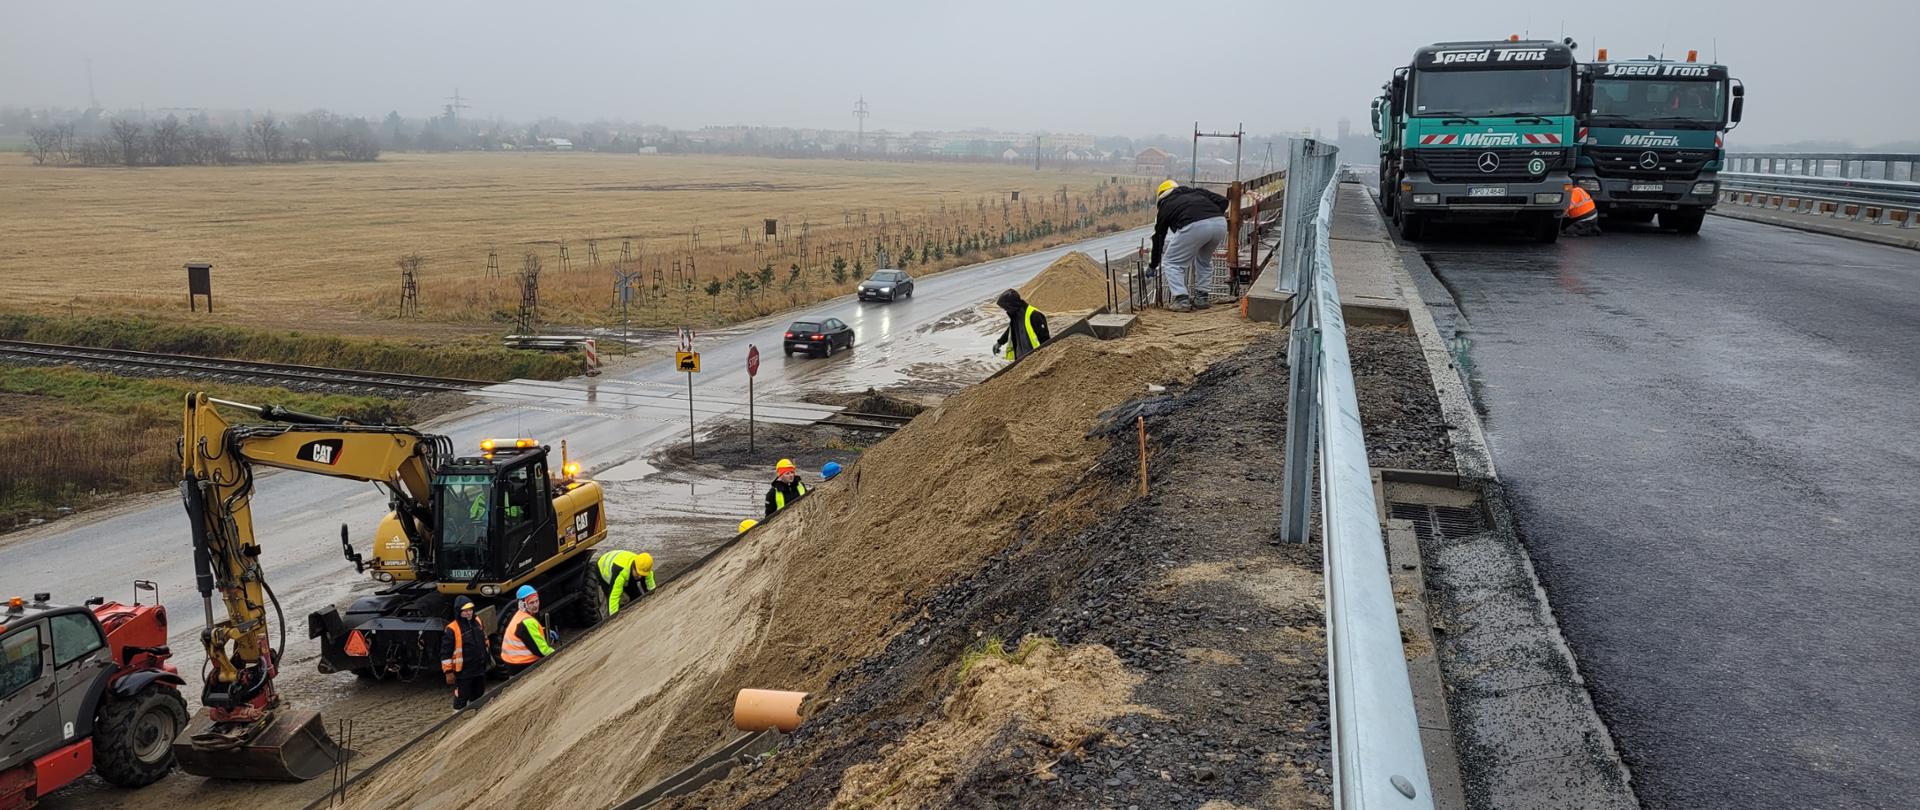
[283, 375]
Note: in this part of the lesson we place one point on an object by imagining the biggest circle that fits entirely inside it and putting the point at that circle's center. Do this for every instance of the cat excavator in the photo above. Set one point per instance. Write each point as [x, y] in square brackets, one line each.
[477, 526]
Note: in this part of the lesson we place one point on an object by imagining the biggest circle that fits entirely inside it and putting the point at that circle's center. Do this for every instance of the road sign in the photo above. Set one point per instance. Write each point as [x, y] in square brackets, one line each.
[753, 359]
[687, 361]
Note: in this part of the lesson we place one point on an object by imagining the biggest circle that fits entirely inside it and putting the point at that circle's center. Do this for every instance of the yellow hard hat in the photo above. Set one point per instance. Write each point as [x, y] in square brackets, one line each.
[785, 465]
[1165, 186]
[748, 524]
[643, 562]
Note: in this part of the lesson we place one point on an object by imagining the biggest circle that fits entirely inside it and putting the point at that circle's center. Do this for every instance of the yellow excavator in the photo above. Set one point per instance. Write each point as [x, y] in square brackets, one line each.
[478, 526]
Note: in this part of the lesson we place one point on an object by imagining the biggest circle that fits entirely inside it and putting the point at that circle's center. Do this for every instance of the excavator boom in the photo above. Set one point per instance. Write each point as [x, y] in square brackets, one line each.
[242, 730]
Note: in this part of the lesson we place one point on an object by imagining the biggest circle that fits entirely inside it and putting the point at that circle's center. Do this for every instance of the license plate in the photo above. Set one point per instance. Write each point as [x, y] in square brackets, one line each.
[1487, 191]
[1649, 187]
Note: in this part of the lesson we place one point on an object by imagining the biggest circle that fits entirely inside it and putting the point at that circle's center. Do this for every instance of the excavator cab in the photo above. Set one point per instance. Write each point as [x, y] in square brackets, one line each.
[495, 517]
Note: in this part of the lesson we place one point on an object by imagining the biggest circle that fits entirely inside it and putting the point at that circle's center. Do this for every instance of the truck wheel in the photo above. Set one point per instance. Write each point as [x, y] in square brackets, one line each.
[1685, 222]
[1413, 227]
[133, 740]
[1547, 229]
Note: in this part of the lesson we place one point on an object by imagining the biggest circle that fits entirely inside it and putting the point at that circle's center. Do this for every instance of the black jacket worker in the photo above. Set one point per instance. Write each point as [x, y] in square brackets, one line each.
[464, 656]
[1026, 327]
[787, 487]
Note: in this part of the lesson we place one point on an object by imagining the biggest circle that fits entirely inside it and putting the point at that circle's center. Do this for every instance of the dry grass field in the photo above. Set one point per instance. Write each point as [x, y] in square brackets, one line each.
[314, 247]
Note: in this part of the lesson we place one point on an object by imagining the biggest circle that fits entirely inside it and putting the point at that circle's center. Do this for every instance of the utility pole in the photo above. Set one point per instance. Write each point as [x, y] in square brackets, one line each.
[93, 100]
[860, 115]
[1036, 153]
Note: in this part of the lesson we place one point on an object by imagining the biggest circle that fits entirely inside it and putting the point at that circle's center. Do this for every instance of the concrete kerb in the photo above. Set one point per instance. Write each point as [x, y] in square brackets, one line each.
[1894, 237]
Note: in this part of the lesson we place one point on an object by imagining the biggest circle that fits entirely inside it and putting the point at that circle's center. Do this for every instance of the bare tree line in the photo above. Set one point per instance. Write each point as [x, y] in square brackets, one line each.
[318, 135]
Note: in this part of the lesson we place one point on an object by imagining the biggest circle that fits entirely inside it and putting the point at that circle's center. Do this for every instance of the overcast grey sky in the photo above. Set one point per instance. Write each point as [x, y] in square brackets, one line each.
[1113, 67]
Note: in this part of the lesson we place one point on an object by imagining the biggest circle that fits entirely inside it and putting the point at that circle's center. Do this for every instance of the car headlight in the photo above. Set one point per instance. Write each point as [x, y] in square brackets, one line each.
[1590, 184]
[1708, 187]
[1426, 199]
[886, 289]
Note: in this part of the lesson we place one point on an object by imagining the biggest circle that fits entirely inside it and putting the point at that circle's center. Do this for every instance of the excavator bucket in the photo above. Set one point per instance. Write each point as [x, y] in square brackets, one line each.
[294, 747]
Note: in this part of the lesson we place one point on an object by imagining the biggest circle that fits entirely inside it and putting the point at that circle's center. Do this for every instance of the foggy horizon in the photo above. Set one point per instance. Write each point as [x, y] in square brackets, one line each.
[1121, 68]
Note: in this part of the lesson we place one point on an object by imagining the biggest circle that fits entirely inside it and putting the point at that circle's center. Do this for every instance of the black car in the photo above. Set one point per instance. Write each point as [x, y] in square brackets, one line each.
[818, 337]
[886, 285]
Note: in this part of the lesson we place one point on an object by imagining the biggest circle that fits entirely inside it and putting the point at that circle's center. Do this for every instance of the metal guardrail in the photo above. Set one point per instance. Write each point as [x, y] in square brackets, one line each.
[1883, 202]
[1378, 761]
[1857, 165]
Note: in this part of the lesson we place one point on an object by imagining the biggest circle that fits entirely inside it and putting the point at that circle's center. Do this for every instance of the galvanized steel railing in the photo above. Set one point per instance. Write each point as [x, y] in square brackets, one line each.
[1878, 187]
[1378, 758]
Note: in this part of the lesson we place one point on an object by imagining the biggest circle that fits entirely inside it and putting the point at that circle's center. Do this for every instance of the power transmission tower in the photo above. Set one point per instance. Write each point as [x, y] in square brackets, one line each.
[860, 114]
[455, 103]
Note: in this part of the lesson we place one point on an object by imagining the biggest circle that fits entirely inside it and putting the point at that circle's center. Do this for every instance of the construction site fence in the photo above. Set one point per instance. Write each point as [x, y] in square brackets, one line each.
[1378, 760]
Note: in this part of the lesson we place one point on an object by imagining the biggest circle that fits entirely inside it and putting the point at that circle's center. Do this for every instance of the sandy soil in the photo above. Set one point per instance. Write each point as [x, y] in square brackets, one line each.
[810, 592]
[1073, 283]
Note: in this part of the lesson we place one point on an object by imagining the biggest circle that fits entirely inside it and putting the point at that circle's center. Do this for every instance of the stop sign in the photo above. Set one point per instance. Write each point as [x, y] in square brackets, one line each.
[753, 359]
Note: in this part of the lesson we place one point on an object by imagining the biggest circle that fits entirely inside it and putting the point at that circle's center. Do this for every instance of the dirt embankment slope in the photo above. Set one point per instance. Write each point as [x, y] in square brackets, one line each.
[823, 587]
[1073, 283]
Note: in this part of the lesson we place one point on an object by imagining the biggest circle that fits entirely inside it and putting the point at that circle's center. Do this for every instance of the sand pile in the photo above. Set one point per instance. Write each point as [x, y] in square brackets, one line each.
[818, 588]
[1073, 283]
[1060, 695]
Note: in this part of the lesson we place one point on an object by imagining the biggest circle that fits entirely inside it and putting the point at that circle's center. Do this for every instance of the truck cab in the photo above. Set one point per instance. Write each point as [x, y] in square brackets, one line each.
[1478, 132]
[1652, 137]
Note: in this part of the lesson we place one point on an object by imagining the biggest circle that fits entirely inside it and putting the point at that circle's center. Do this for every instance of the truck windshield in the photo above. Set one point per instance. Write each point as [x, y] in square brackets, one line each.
[464, 502]
[1495, 93]
[1630, 100]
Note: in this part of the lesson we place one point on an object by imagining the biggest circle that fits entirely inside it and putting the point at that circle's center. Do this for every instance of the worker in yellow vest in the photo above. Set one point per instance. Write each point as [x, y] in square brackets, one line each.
[787, 487]
[625, 573]
[1026, 327]
[524, 642]
[464, 656]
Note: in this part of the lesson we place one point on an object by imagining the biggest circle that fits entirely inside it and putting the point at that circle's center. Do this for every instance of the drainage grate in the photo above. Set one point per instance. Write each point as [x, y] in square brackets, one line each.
[1444, 522]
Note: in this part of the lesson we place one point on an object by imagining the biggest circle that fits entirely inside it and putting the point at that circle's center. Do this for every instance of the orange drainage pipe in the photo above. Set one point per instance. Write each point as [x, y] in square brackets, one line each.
[762, 709]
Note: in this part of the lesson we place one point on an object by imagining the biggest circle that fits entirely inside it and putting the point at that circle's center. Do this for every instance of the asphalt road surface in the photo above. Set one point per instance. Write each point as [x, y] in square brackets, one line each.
[1712, 447]
[608, 422]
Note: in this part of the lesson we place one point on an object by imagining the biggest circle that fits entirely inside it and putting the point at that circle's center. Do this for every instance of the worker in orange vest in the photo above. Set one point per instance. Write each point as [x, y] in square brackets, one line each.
[1583, 217]
[463, 655]
[524, 641]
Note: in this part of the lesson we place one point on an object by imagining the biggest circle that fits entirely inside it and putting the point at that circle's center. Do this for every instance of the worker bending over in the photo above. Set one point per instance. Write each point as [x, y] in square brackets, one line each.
[787, 486]
[463, 655]
[1190, 224]
[525, 642]
[1583, 217]
[1026, 327]
[624, 573]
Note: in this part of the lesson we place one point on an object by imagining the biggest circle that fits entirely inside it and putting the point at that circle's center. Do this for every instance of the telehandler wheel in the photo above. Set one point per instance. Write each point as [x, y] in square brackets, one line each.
[133, 740]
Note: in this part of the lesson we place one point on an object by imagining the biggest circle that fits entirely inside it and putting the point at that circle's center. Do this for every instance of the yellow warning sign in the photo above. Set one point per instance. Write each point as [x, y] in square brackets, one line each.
[686, 361]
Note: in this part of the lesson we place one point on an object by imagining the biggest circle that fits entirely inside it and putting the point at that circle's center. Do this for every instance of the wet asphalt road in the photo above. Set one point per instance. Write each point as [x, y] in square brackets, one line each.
[1712, 445]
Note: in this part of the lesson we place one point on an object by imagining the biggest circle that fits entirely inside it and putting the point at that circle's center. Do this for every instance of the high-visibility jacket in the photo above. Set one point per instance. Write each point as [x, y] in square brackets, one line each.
[454, 646]
[778, 496]
[1579, 203]
[617, 572]
[525, 640]
[1022, 342]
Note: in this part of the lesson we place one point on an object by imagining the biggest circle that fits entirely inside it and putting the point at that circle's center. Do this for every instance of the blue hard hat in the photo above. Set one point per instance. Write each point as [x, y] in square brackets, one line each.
[830, 470]
[525, 591]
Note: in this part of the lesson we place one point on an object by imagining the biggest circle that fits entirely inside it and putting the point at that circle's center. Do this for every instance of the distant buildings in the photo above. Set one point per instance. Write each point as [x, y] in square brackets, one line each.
[1152, 162]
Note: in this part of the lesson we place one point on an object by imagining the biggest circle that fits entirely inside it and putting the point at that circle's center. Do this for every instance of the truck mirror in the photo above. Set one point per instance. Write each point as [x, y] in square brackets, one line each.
[1739, 102]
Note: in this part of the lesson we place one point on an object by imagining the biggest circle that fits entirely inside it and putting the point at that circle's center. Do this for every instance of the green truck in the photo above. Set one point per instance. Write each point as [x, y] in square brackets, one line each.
[1652, 137]
[1478, 132]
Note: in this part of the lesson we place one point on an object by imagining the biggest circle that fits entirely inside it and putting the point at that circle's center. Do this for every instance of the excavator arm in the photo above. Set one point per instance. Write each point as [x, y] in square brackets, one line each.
[242, 731]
